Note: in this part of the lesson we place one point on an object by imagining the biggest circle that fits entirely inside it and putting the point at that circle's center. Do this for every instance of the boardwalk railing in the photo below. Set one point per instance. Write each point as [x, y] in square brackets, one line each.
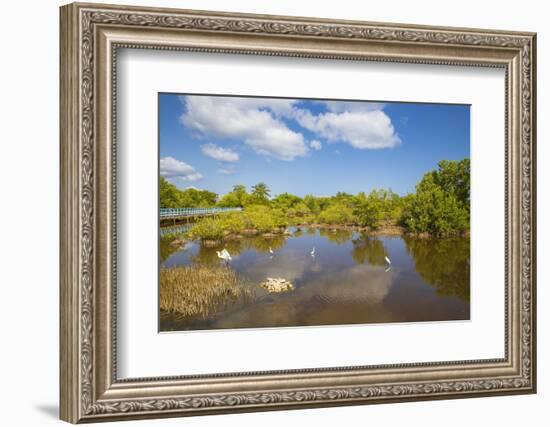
[168, 213]
[178, 229]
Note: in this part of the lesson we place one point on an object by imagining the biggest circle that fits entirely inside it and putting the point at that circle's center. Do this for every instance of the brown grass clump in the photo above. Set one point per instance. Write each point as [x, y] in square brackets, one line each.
[198, 290]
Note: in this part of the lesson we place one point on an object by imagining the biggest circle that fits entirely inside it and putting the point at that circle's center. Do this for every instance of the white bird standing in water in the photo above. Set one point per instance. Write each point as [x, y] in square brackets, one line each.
[224, 255]
[388, 262]
[312, 252]
[270, 251]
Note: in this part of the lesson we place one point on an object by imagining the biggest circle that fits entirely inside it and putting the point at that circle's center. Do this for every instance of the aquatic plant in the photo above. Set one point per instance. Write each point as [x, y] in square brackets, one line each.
[197, 291]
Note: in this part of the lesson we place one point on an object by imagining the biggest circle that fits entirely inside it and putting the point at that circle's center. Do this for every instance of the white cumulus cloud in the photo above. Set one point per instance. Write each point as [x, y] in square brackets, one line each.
[219, 153]
[316, 145]
[173, 168]
[256, 121]
[352, 106]
[370, 129]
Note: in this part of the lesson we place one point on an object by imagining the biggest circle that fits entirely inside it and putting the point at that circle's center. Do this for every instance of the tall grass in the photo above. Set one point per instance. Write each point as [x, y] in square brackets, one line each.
[199, 290]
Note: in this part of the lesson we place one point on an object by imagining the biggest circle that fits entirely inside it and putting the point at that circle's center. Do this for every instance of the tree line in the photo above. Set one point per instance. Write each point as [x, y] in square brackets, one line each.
[440, 204]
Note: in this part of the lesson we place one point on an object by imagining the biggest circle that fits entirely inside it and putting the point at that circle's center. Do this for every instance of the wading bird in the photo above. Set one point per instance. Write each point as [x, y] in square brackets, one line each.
[270, 251]
[224, 255]
[312, 252]
[387, 260]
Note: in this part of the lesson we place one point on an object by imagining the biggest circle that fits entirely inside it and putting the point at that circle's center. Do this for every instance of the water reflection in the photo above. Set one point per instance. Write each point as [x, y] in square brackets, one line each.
[345, 282]
[443, 263]
[166, 248]
[337, 236]
[369, 249]
[206, 255]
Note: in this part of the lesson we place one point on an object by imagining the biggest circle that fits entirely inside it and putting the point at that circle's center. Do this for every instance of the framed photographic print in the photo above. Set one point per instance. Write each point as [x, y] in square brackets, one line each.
[282, 232]
[265, 212]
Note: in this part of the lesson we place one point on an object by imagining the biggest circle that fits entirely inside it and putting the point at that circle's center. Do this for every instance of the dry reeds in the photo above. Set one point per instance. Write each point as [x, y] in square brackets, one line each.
[199, 290]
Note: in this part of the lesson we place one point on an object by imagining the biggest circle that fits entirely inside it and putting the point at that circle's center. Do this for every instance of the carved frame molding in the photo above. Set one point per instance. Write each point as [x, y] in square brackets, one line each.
[90, 37]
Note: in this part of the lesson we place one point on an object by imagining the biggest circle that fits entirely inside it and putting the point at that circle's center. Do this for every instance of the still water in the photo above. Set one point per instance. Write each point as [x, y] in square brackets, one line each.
[347, 281]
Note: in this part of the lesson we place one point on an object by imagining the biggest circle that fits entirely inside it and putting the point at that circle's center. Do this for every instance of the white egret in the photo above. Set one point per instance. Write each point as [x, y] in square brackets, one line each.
[270, 251]
[312, 252]
[387, 260]
[224, 255]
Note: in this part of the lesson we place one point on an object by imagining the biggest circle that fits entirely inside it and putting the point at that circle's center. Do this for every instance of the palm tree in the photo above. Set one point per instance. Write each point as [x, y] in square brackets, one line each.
[261, 191]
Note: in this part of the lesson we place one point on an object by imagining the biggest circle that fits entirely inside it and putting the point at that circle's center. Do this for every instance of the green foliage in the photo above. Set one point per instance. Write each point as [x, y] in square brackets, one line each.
[169, 194]
[343, 199]
[368, 210]
[240, 193]
[279, 218]
[237, 198]
[173, 197]
[232, 222]
[313, 203]
[441, 204]
[260, 218]
[259, 195]
[454, 177]
[192, 197]
[285, 201]
[229, 200]
[378, 206]
[256, 217]
[209, 228]
[337, 214]
[299, 211]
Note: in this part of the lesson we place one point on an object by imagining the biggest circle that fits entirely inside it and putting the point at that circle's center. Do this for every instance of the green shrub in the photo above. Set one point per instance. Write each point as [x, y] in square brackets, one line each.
[209, 228]
[337, 214]
[279, 218]
[260, 218]
[435, 211]
[233, 222]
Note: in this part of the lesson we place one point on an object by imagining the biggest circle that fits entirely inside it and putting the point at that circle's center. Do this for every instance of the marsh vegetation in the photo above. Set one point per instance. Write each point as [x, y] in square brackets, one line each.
[346, 278]
[440, 206]
[196, 291]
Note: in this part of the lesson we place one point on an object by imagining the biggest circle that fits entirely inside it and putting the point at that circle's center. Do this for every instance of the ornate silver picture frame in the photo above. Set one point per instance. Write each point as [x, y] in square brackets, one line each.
[91, 34]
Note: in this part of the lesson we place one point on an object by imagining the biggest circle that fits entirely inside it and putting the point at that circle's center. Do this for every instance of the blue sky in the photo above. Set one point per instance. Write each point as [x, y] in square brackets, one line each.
[306, 146]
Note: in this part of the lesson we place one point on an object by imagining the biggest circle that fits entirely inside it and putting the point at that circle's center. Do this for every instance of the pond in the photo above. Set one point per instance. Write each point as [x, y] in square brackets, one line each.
[347, 281]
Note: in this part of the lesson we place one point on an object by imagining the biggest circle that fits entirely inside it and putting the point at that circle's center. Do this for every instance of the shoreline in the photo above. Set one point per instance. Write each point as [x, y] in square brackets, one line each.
[386, 230]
